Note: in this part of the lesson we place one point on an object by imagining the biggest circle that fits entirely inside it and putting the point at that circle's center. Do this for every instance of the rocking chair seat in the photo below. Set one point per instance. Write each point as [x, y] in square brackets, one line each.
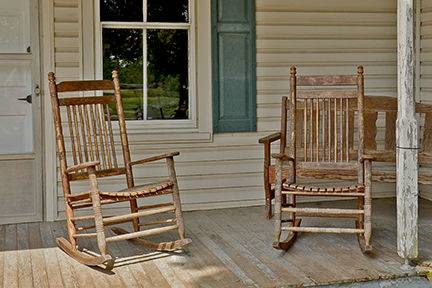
[321, 189]
[153, 189]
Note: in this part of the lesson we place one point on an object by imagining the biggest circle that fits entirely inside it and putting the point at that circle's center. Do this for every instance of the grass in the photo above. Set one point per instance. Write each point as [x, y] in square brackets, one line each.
[133, 105]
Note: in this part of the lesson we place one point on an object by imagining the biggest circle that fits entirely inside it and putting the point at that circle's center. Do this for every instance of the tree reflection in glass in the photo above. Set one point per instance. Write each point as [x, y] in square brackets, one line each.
[166, 59]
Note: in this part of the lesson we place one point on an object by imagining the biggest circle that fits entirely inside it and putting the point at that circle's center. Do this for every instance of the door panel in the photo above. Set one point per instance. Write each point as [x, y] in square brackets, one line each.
[14, 26]
[20, 173]
[16, 129]
[19, 202]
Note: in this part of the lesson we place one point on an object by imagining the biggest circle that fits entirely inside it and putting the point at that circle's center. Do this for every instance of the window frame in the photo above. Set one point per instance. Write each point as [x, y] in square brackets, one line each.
[168, 124]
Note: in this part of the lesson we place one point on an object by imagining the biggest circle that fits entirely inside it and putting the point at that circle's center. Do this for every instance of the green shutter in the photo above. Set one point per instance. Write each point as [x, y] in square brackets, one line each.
[234, 65]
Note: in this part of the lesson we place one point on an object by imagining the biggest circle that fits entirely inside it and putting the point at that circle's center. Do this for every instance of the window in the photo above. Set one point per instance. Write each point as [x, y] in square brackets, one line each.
[151, 42]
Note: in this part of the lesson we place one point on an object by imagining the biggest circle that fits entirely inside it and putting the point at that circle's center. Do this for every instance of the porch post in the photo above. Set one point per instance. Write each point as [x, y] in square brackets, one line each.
[406, 137]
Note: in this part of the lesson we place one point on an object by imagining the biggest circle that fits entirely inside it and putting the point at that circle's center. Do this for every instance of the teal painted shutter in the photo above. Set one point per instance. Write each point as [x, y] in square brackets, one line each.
[234, 65]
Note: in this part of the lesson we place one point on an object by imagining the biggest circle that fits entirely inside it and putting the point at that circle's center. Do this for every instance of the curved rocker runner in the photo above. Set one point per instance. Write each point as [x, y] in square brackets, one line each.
[91, 142]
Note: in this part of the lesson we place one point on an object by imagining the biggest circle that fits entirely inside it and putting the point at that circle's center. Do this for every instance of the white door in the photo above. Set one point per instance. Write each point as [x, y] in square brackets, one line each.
[20, 169]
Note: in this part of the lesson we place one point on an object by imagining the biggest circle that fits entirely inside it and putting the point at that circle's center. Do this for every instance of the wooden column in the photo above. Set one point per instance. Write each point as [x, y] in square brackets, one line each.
[406, 137]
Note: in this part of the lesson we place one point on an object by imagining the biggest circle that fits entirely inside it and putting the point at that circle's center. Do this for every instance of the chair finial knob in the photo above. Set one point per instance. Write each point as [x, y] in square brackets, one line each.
[115, 73]
[293, 70]
[51, 77]
[360, 70]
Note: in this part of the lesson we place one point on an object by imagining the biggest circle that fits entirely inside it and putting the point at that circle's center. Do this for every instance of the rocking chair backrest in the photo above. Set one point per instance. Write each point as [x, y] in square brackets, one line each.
[88, 125]
[328, 114]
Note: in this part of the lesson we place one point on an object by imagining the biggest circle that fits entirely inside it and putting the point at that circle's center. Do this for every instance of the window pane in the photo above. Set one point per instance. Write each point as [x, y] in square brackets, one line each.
[122, 50]
[167, 74]
[121, 10]
[168, 11]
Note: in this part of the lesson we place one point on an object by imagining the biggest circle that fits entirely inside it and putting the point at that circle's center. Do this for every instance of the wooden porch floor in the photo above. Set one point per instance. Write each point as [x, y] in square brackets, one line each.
[231, 248]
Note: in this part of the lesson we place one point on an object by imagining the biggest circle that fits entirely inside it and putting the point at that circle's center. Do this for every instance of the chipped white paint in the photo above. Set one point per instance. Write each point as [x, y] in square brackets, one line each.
[407, 137]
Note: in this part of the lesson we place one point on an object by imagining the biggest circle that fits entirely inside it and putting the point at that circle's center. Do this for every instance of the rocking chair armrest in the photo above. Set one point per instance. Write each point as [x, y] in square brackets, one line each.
[270, 138]
[82, 166]
[154, 158]
[283, 157]
[367, 158]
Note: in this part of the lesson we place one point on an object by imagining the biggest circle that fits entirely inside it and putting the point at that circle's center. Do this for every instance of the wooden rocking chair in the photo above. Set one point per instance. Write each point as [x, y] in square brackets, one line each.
[91, 144]
[323, 132]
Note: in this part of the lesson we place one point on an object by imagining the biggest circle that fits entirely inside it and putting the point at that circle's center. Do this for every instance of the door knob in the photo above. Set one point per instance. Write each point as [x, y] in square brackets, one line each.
[28, 99]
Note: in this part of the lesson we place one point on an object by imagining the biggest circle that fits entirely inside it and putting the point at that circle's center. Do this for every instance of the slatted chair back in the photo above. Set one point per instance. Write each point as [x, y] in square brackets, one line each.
[86, 123]
[387, 106]
[325, 131]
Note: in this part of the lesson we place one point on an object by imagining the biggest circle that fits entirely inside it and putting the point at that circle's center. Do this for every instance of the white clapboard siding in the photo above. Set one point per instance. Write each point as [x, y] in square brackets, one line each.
[67, 42]
[320, 37]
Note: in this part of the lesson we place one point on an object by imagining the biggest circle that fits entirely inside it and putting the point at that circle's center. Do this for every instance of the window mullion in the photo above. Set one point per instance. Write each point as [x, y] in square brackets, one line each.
[122, 25]
[145, 90]
[144, 11]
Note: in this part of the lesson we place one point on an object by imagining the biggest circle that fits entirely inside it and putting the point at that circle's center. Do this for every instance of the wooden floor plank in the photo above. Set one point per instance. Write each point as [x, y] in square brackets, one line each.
[142, 260]
[255, 269]
[53, 268]
[214, 271]
[295, 257]
[25, 275]
[11, 258]
[80, 275]
[124, 272]
[2, 249]
[220, 254]
[140, 275]
[230, 248]
[287, 272]
[40, 277]
[101, 277]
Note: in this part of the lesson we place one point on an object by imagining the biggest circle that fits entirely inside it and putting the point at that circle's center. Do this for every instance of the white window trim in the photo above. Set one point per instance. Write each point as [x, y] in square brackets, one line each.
[185, 125]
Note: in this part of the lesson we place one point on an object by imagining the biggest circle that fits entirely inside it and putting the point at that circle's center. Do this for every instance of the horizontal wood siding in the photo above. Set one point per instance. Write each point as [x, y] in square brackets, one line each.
[67, 41]
[320, 37]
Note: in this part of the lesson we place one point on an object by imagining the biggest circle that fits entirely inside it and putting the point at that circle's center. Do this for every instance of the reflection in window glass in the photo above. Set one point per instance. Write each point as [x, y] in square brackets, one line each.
[167, 11]
[123, 50]
[121, 10]
[161, 91]
[167, 74]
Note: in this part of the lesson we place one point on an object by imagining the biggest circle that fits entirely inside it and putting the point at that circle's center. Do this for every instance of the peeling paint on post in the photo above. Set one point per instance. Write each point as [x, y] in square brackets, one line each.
[406, 137]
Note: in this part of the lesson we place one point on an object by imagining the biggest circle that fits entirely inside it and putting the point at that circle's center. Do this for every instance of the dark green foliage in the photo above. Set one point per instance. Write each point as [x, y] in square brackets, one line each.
[167, 56]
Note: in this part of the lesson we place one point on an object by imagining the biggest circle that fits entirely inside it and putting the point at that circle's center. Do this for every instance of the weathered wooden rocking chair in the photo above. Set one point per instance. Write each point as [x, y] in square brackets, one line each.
[91, 144]
[323, 131]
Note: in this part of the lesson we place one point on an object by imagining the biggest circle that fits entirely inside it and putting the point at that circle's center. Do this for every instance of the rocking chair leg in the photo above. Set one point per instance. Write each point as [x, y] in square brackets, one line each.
[97, 210]
[70, 225]
[176, 197]
[368, 206]
[268, 208]
[292, 236]
[278, 206]
[134, 209]
[360, 224]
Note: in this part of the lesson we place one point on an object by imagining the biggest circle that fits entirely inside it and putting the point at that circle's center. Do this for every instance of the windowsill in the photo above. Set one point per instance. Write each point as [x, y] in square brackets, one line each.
[160, 125]
[168, 136]
[176, 131]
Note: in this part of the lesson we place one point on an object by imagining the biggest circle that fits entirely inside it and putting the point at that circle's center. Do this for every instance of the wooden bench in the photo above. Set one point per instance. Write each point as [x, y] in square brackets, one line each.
[380, 142]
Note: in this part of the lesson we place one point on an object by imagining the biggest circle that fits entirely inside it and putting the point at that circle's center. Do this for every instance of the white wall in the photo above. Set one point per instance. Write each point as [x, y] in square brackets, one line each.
[324, 37]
